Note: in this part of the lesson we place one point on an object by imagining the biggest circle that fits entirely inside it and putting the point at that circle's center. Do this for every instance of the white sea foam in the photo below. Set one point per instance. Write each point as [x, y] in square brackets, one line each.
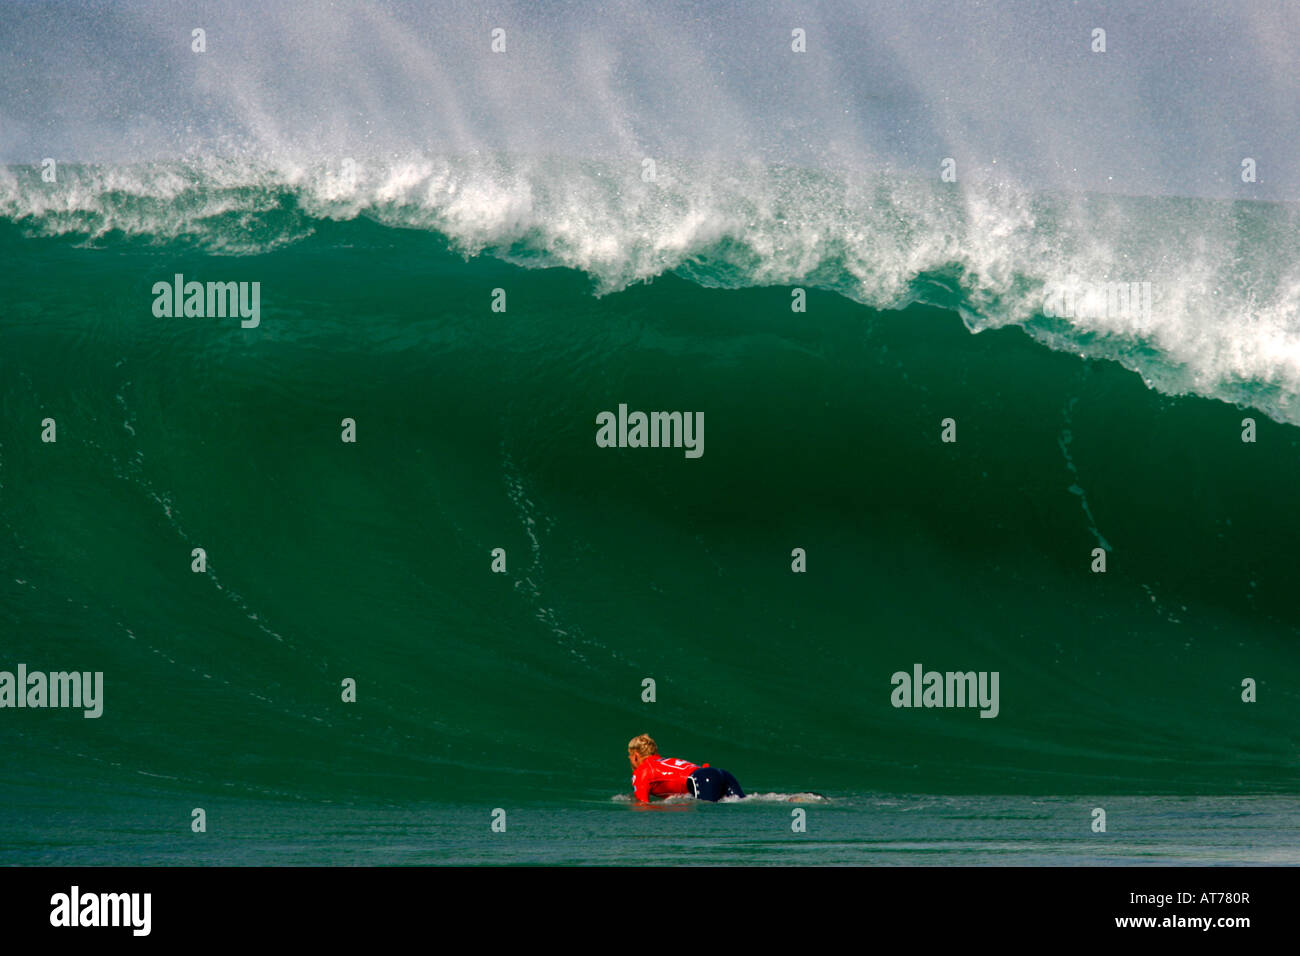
[1225, 315]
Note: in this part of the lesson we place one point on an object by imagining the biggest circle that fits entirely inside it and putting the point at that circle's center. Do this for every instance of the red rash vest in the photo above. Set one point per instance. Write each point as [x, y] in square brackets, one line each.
[662, 776]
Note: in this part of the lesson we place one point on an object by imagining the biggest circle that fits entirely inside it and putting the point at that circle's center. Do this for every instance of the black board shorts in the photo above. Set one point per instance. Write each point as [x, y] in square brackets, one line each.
[710, 783]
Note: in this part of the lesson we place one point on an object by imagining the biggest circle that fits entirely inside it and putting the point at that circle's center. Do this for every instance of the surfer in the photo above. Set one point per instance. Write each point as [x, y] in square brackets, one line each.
[666, 776]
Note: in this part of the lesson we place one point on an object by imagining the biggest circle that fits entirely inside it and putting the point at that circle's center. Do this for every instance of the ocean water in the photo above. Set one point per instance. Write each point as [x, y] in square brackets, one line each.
[138, 828]
[1162, 690]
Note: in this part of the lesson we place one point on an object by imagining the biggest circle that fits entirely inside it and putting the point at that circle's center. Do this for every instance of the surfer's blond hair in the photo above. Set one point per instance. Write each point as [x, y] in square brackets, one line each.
[643, 744]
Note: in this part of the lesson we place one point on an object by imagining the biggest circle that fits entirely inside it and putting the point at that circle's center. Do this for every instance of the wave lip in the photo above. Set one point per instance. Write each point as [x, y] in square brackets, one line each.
[1217, 314]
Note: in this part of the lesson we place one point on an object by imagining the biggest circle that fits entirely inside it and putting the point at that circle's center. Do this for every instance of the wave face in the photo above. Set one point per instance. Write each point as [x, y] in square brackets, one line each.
[476, 430]
[651, 188]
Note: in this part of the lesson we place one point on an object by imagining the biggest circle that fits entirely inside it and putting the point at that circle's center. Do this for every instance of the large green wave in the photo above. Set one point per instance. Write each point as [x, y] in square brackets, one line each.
[476, 430]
